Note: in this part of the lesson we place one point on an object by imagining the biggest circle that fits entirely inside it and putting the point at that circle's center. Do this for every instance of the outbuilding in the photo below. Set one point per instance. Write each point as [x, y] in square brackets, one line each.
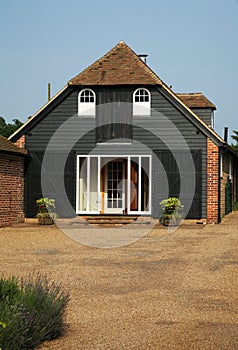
[12, 159]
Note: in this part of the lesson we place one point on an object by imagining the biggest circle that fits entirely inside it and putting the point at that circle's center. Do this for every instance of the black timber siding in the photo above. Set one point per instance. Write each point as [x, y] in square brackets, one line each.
[74, 135]
[114, 118]
[174, 163]
[206, 114]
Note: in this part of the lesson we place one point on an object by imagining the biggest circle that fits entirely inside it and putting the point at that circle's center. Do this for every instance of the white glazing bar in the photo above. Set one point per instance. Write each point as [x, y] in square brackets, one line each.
[128, 184]
[150, 186]
[77, 186]
[139, 185]
[221, 165]
[88, 183]
[99, 181]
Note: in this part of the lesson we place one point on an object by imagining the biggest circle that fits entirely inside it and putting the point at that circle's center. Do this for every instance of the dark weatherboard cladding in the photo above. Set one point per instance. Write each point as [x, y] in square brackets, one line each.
[143, 130]
[152, 147]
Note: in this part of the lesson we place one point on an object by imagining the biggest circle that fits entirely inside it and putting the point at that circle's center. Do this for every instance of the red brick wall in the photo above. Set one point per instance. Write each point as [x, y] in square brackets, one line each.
[212, 183]
[11, 189]
[21, 142]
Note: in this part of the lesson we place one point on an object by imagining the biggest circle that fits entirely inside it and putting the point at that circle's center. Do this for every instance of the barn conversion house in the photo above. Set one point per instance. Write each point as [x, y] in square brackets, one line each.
[117, 140]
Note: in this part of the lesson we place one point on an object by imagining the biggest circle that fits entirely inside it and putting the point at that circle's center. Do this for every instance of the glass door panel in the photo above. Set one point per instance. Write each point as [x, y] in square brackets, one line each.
[82, 184]
[139, 192]
[87, 185]
[134, 184]
[115, 192]
[93, 188]
[145, 171]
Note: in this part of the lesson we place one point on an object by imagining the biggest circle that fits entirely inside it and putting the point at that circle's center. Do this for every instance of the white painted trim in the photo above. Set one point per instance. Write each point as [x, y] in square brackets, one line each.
[141, 212]
[128, 158]
[88, 183]
[141, 108]
[113, 143]
[38, 112]
[77, 184]
[212, 119]
[139, 186]
[221, 165]
[212, 131]
[114, 210]
[230, 167]
[128, 183]
[150, 185]
[87, 108]
[99, 182]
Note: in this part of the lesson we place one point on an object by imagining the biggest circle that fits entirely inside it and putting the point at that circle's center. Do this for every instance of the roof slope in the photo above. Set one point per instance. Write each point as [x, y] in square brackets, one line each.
[195, 100]
[120, 66]
[8, 146]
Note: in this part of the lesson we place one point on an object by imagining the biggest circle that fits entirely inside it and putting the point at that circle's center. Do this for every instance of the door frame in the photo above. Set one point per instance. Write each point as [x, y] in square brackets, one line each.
[106, 209]
[127, 189]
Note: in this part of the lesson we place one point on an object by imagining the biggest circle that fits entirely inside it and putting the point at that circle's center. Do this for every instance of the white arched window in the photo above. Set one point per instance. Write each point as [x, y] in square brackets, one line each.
[87, 102]
[141, 102]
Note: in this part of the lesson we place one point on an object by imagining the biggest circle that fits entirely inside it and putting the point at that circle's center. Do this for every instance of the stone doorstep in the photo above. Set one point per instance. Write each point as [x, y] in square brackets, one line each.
[112, 221]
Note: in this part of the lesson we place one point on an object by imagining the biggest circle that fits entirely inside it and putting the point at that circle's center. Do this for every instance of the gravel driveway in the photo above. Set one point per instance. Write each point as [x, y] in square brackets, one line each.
[166, 291]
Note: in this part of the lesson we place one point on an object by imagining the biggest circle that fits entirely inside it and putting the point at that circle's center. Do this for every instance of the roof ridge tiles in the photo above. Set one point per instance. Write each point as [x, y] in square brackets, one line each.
[119, 66]
[189, 93]
[196, 100]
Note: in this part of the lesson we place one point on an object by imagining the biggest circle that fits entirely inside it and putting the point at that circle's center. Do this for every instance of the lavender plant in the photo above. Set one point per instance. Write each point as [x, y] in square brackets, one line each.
[32, 310]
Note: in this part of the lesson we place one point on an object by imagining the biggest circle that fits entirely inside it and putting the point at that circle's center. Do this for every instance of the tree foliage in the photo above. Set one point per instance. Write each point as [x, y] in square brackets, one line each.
[6, 129]
[235, 137]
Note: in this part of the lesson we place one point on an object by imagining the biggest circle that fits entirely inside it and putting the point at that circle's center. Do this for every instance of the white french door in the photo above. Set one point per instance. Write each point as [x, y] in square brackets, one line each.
[139, 189]
[113, 184]
[114, 196]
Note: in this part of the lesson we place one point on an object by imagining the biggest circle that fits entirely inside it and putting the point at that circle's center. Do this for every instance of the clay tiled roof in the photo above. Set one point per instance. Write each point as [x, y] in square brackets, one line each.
[196, 100]
[120, 66]
[8, 146]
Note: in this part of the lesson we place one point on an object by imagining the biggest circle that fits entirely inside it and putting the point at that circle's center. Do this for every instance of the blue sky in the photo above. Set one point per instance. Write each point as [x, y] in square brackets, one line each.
[192, 45]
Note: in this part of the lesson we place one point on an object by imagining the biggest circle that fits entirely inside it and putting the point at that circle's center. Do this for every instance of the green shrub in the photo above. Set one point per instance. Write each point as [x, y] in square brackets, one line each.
[31, 311]
[171, 205]
[172, 208]
[235, 206]
[45, 205]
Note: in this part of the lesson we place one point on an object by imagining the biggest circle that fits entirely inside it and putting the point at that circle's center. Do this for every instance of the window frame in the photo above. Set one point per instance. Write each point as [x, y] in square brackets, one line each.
[141, 108]
[87, 108]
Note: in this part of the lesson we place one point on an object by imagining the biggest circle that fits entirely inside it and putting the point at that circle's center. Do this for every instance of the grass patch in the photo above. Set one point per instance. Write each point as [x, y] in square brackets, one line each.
[31, 311]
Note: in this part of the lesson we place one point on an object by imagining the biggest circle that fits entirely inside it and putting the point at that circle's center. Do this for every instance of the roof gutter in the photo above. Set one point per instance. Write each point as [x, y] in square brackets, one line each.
[14, 153]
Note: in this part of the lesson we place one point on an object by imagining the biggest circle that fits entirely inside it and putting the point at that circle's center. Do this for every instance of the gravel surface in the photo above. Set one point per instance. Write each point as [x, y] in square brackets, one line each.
[166, 291]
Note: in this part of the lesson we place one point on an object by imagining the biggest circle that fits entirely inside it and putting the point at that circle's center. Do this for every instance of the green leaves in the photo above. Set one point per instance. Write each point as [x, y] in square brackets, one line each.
[31, 311]
[7, 129]
[235, 137]
[171, 205]
[45, 205]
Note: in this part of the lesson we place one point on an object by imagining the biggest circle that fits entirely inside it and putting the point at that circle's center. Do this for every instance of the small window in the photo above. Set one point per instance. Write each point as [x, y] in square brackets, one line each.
[86, 103]
[141, 102]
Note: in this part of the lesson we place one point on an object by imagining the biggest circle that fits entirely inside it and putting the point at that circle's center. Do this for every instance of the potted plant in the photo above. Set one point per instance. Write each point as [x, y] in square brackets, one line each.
[172, 215]
[45, 215]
